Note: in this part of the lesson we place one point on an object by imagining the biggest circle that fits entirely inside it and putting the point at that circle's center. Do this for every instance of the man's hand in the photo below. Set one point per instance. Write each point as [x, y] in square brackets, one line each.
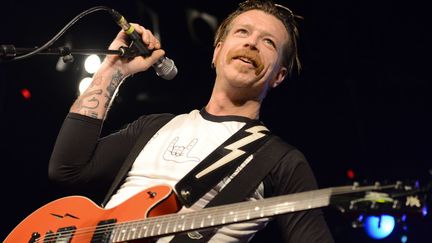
[96, 100]
[139, 63]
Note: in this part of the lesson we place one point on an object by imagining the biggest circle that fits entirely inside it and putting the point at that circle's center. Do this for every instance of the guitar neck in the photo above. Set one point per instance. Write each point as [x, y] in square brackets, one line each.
[222, 215]
[232, 213]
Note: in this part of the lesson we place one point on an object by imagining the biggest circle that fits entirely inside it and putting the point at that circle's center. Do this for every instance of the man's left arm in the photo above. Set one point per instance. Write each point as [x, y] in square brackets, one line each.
[292, 175]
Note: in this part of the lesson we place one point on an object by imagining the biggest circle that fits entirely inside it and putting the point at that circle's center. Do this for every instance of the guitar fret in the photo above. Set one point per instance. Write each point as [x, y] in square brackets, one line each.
[167, 227]
[146, 230]
[117, 234]
[193, 223]
[159, 228]
[113, 234]
[152, 229]
[174, 227]
[139, 230]
[128, 232]
[122, 232]
[202, 222]
[183, 224]
[134, 230]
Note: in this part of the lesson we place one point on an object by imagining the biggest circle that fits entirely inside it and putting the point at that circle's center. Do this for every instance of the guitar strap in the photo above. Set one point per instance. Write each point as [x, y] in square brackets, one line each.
[243, 184]
[220, 163]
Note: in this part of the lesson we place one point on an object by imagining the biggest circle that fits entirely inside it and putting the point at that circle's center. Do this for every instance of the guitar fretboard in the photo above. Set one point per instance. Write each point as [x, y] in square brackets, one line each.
[221, 215]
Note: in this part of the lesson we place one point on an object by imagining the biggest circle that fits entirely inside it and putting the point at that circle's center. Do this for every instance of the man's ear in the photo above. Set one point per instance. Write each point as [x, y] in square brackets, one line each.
[216, 52]
[280, 76]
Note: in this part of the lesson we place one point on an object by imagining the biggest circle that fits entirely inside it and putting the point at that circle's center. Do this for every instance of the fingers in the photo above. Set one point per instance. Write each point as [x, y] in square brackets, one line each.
[172, 143]
[138, 63]
[147, 36]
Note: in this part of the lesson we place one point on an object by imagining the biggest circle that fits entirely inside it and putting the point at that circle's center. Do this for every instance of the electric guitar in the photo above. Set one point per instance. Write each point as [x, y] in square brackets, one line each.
[152, 213]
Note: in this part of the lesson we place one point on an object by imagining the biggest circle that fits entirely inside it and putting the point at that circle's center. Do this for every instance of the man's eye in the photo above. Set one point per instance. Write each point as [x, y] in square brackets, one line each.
[269, 42]
[242, 31]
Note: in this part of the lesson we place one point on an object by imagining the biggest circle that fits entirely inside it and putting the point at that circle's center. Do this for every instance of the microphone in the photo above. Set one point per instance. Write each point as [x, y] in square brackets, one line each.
[164, 67]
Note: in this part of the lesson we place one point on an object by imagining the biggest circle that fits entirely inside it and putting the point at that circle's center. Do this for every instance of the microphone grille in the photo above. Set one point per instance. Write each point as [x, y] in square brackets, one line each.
[165, 68]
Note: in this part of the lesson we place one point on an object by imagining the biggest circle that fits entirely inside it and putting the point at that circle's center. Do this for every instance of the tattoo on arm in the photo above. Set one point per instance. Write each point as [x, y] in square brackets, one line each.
[91, 103]
[112, 87]
[115, 82]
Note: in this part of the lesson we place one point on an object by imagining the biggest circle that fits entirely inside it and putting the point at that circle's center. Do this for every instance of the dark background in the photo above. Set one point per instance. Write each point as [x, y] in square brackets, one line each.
[362, 101]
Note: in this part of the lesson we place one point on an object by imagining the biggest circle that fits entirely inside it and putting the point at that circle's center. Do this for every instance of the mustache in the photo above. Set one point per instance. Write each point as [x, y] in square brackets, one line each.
[246, 53]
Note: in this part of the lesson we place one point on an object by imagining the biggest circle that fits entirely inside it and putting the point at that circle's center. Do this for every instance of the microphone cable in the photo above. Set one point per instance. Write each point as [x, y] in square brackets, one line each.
[164, 67]
[61, 32]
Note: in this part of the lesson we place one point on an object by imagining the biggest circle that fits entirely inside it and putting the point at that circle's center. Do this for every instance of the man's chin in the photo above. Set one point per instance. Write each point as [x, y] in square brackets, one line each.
[246, 69]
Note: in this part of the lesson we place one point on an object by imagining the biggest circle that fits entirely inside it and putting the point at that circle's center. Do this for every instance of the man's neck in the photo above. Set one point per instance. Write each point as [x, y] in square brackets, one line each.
[221, 105]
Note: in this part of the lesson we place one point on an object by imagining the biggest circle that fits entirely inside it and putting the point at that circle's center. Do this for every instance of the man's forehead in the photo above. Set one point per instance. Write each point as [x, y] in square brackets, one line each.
[259, 19]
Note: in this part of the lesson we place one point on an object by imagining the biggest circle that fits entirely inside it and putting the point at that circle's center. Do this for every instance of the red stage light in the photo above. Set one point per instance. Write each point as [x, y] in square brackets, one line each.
[26, 94]
[350, 174]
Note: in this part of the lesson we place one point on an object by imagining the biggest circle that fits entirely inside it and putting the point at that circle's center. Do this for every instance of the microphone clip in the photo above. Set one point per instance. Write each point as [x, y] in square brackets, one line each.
[129, 52]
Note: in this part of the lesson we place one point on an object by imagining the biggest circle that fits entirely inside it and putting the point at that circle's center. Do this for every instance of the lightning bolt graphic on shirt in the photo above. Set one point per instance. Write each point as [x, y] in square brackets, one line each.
[255, 134]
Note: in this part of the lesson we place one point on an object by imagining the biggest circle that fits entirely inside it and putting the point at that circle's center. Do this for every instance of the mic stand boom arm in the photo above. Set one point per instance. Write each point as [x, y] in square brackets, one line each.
[9, 52]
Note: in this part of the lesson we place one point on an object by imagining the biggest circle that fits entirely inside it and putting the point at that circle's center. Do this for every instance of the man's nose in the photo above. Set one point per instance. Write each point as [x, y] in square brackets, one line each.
[251, 42]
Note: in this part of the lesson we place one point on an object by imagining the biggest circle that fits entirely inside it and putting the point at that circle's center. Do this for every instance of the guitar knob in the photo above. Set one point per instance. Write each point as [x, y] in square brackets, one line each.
[377, 185]
[185, 194]
[34, 237]
[396, 204]
[353, 205]
[374, 205]
[398, 185]
[152, 194]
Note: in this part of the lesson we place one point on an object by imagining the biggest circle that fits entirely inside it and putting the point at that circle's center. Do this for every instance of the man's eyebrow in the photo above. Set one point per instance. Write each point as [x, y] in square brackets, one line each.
[265, 32]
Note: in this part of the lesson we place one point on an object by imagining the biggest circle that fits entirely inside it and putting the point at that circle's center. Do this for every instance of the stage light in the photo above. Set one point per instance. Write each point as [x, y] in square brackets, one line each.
[92, 63]
[84, 83]
[424, 210]
[350, 174]
[26, 94]
[379, 227]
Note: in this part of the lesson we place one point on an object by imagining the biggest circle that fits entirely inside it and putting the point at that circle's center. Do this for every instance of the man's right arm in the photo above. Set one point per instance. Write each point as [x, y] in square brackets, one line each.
[97, 98]
[80, 155]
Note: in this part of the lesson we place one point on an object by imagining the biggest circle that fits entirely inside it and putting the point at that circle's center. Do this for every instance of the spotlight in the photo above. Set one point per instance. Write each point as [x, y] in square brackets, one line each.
[26, 94]
[84, 83]
[92, 63]
[379, 227]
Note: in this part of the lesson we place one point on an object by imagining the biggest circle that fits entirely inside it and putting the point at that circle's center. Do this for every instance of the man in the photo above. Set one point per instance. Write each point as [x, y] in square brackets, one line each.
[255, 49]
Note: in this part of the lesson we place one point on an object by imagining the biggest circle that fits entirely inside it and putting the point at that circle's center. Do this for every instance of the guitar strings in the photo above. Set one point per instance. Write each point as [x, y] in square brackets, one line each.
[281, 203]
[198, 213]
[86, 232]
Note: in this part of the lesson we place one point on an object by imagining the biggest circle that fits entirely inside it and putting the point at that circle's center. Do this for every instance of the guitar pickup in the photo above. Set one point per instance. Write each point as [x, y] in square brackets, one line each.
[64, 234]
[104, 231]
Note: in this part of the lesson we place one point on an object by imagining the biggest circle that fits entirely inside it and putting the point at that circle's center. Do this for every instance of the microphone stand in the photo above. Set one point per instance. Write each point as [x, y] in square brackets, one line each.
[9, 52]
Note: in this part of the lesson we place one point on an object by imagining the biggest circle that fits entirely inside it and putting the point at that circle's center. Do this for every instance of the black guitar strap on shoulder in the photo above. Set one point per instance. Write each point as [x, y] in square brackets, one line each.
[244, 183]
[221, 162]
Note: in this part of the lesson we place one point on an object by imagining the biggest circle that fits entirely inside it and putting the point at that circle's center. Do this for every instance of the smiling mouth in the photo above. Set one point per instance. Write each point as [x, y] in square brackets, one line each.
[247, 60]
[250, 59]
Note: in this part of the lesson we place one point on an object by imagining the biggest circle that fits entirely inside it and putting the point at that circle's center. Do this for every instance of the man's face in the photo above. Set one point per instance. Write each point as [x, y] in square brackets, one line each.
[250, 55]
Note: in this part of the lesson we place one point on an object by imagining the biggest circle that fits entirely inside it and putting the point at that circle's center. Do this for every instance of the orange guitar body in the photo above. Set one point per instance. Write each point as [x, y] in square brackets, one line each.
[84, 215]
